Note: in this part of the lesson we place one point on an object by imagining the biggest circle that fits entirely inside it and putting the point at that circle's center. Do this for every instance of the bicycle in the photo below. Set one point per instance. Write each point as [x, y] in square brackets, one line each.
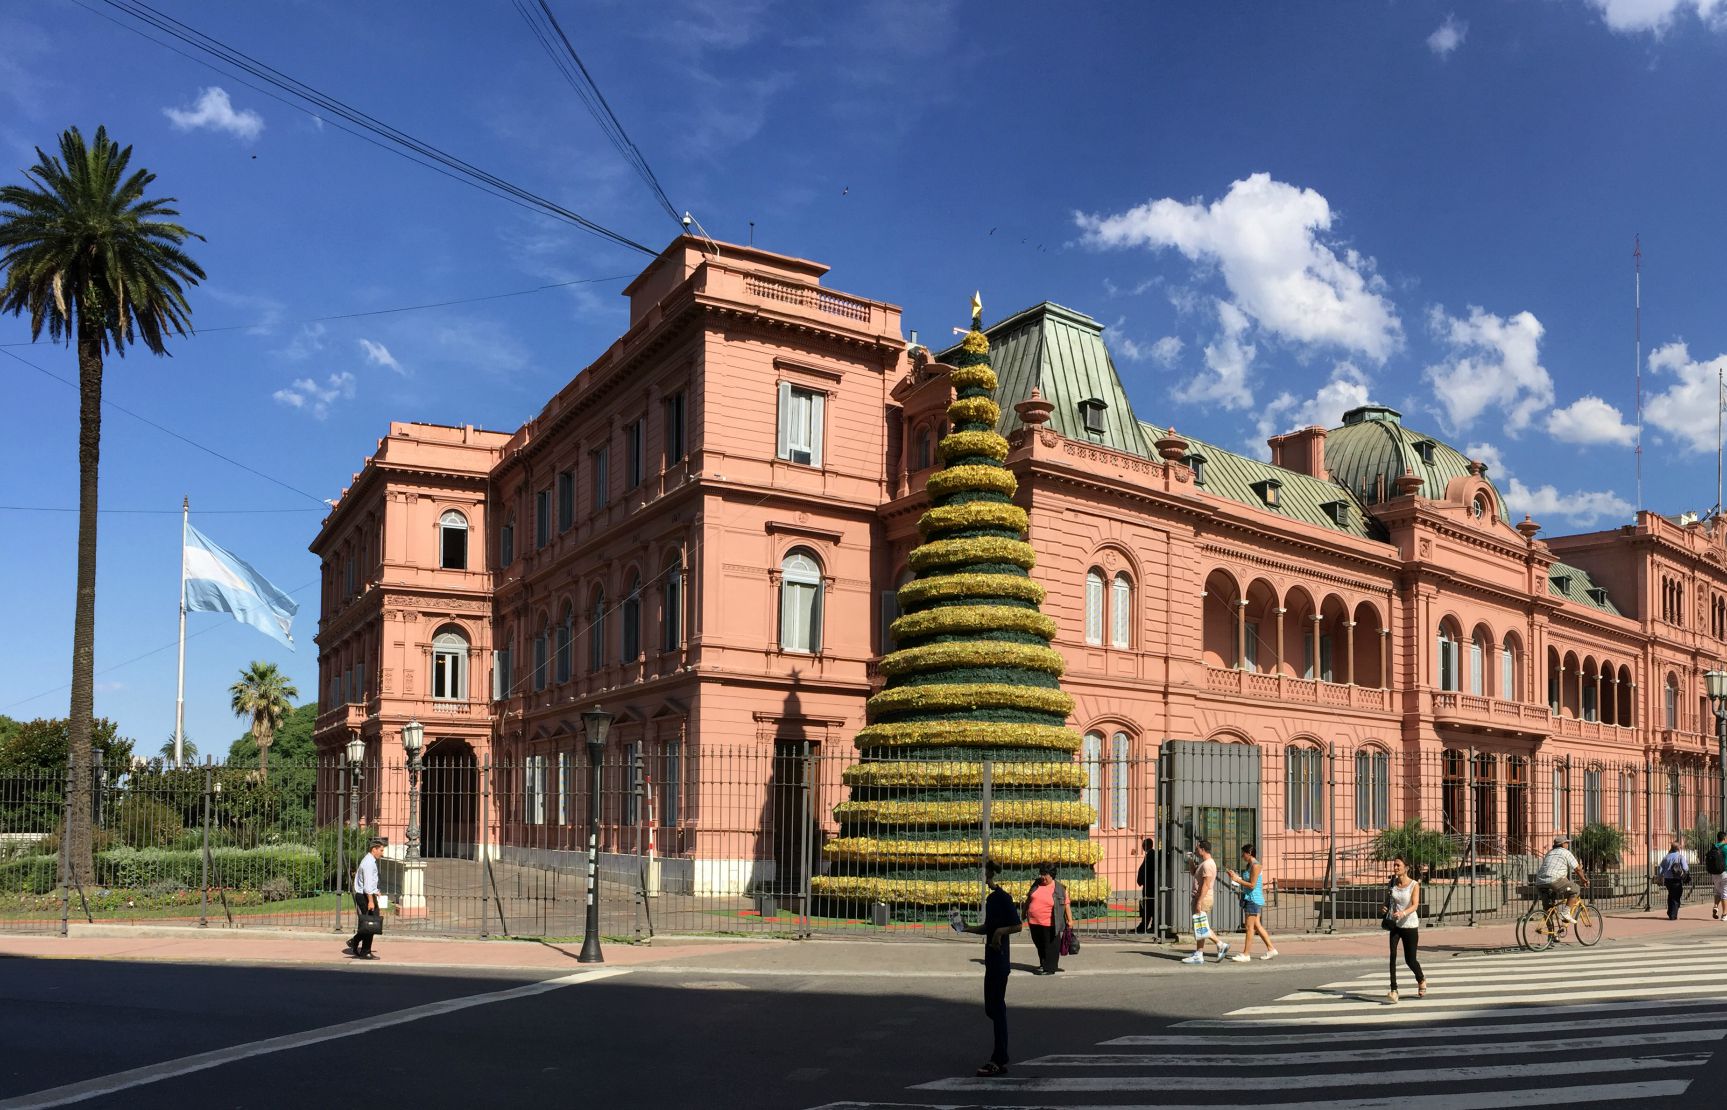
[1541, 927]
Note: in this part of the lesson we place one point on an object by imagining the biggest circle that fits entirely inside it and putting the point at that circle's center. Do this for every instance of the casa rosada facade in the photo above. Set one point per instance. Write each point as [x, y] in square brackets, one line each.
[703, 532]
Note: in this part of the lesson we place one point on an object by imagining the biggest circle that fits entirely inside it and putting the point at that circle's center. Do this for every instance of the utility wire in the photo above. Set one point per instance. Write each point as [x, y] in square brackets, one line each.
[169, 431]
[328, 105]
[589, 93]
[383, 311]
[151, 512]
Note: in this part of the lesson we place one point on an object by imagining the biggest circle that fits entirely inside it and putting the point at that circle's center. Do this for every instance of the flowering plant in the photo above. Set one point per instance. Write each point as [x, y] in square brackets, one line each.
[1012, 811]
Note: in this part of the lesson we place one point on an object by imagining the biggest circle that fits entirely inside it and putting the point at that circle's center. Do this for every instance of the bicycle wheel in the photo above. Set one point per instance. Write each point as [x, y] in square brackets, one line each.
[1589, 926]
[1537, 931]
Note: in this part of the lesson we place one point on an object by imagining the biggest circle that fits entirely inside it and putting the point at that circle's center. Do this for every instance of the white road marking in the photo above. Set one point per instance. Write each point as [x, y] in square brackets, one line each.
[1512, 990]
[1484, 1100]
[1252, 1031]
[1366, 1055]
[1293, 1008]
[186, 1065]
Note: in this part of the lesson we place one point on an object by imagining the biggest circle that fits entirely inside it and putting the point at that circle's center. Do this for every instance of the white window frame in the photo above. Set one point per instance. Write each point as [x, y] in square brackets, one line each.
[1120, 759]
[1372, 788]
[802, 416]
[1477, 666]
[449, 666]
[1091, 755]
[563, 788]
[1304, 790]
[672, 608]
[1094, 607]
[801, 601]
[1121, 610]
[1508, 670]
[534, 790]
[451, 521]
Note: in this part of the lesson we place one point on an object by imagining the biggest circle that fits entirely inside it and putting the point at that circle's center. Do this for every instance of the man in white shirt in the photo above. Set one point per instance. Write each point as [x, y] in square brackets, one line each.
[366, 897]
[1553, 877]
[1204, 889]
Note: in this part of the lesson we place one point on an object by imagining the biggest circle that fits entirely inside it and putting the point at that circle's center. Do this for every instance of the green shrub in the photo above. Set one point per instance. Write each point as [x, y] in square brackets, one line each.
[29, 874]
[1599, 847]
[140, 821]
[277, 889]
[338, 871]
[1424, 850]
[145, 869]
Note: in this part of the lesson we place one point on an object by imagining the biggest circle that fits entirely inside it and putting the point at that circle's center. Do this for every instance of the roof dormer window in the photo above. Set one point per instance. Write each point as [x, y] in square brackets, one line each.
[1091, 411]
[1196, 463]
[1267, 489]
[1424, 448]
[1598, 594]
[1562, 583]
[1338, 511]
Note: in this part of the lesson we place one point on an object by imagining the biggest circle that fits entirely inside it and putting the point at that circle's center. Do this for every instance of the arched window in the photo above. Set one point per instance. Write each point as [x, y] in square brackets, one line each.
[1508, 669]
[1121, 611]
[920, 457]
[672, 608]
[1091, 756]
[450, 665]
[633, 620]
[1372, 788]
[453, 541]
[1120, 760]
[597, 631]
[566, 630]
[1094, 607]
[800, 602]
[1592, 811]
[1304, 783]
[1478, 662]
[1447, 659]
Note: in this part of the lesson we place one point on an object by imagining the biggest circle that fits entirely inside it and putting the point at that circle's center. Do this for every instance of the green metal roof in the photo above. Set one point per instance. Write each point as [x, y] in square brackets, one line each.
[1573, 584]
[1300, 496]
[1060, 352]
[1373, 443]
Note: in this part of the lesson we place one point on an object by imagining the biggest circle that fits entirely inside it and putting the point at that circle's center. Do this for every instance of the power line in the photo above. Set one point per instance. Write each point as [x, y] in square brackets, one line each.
[327, 105]
[387, 311]
[169, 431]
[150, 512]
[590, 95]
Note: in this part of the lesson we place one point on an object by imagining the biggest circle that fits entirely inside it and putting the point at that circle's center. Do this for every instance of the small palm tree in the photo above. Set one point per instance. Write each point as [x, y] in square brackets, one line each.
[88, 254]
[188, 751]
[264, 694]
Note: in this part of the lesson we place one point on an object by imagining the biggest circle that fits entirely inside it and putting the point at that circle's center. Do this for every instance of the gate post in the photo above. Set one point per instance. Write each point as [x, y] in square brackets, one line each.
[1331, 832]
[806, 837]
[341, 826]
[1648, 829]
[480, 845]
[204, 900]
[987, 789]
[1469, 825]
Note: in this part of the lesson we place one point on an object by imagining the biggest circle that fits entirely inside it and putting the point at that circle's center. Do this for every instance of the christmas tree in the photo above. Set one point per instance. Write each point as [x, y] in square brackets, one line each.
[972, 678]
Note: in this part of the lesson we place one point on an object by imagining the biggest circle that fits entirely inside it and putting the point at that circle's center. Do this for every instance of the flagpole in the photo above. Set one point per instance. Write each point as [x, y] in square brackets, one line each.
[180, 693]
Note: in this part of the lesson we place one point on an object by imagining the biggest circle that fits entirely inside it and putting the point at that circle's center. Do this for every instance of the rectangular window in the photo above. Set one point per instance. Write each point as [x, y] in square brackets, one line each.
[801, 421]
[534, 789]
[1305, 789]
[542, 518]
[566, 499]
[675, 443]
[889, 614]
[562, 652]
[1251, 663]
[1477, 660]
[1091, 754]
[635, 453]
[1372, 789]
[507, 544]
[540, 662]
[1516, 804]
[1592, 796]
[563, 788]
[1507, 675]
[1672, 706]
[800, 616]
[602, 482]
[1451, 790]
[1628, 801]
[1121, 612]
[1486, 795]
[633, 795]
[1093, 608]
[1119, 753]
[671, 813]
[1561, 801]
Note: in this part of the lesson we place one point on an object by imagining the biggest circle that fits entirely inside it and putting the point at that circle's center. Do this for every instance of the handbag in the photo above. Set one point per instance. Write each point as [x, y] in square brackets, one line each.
[1069, 941]
[371, 924]
[1201, 926]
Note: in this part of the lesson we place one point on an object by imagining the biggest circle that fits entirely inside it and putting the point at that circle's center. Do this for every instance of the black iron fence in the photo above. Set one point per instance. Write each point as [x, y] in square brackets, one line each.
[694, 840]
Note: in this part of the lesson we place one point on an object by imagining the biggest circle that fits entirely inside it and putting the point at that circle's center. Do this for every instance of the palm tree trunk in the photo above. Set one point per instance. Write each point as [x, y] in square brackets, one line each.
[78, 856]
[263, 735]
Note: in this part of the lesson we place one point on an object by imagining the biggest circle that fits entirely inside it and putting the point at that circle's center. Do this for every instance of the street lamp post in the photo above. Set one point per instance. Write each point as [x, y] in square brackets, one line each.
[413, 739]
[597, 722]
[1715, 682]
[356, 753]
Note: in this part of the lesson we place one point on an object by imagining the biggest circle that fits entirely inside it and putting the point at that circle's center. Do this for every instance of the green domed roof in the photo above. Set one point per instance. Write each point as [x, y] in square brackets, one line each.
[1373, 444]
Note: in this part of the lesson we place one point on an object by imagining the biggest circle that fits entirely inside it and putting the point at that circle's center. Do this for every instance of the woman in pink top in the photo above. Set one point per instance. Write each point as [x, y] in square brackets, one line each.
[1041, 913]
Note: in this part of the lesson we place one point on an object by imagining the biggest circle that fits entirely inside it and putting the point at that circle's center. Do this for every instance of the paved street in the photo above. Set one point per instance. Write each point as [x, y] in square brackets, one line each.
[859, 1025]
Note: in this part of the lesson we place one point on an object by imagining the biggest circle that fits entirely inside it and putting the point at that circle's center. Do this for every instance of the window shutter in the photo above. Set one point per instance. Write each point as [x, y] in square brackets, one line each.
[1476, 660]
[817, 595]
[784, 447]
[788, 617]
[817, 405]
[1093, 608]
[497, 676]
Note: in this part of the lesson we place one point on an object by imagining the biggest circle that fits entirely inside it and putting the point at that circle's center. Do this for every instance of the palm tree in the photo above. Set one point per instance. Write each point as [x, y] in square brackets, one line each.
[88, 254]
[266, 695]
[188, 751]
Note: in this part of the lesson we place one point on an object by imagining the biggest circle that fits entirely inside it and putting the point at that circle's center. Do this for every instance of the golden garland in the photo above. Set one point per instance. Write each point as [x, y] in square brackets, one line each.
[973, 377]
[958, 445]
[984, 653]
[974, 410]
[1013, 852]
[1012, 811]
[975, 343]
[952, 619]
[955, 773]
[974, 514]
[947, 697]
[971, 478]
[930, 892]
[967, 734]
[979, 586]
[980, 549]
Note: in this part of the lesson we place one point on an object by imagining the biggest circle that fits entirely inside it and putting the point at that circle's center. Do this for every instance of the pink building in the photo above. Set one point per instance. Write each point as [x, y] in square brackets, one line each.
[704, 529]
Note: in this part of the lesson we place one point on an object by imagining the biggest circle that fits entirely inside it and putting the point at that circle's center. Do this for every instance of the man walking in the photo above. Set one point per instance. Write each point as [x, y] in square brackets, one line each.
[1204, 888]
[1146, 877]
[1000, 921]
[366, 898]
[1675, 869]
[1715, 862]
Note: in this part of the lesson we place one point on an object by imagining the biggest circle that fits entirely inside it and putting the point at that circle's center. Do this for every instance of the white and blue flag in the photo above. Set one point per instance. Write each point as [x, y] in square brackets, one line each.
[219, 582]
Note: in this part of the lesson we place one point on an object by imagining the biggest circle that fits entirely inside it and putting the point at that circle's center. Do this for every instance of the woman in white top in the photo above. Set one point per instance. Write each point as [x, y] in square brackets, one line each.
[1403, 922]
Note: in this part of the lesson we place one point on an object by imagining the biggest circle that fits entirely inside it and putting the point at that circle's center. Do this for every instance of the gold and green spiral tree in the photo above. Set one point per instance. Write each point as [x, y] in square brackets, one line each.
[972, 677]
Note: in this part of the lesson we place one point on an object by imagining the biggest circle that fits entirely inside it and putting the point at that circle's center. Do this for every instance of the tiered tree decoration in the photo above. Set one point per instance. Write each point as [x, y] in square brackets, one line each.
[972, 677]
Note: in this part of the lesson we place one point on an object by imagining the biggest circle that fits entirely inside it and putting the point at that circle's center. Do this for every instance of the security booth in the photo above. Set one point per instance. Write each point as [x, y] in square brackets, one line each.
[1211, 791]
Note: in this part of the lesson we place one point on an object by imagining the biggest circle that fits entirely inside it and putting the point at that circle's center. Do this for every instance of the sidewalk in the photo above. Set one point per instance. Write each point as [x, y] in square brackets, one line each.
[847, 957]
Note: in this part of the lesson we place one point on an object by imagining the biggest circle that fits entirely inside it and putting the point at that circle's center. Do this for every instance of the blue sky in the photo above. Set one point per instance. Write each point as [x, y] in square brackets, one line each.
[1279, 210]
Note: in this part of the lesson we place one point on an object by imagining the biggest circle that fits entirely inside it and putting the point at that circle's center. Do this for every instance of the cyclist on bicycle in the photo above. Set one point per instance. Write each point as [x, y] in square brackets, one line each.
[1554, 878]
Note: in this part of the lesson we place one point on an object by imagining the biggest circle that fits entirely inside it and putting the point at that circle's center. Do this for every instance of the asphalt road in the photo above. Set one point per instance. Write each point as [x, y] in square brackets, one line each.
[701, 1037]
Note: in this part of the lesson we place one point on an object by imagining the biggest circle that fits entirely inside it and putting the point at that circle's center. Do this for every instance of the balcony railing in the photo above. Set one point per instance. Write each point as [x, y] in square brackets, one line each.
[349, 715]
[1513, 716]
[1277, 687]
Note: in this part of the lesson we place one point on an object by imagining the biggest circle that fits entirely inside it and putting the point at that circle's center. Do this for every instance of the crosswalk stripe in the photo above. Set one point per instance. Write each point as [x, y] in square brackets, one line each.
[1709, 1015]
[1366, 1055]
[1422, 1011]
[1500, 973]
[1485, 1100]
[1523, 988]
[1717, 990]
[1466, 1073]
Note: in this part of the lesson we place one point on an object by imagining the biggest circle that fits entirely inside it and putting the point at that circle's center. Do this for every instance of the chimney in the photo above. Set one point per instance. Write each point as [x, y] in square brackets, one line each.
[1301, 451]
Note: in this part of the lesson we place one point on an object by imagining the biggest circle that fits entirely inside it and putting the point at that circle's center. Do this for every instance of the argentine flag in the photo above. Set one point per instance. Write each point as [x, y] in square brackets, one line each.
[218, 582]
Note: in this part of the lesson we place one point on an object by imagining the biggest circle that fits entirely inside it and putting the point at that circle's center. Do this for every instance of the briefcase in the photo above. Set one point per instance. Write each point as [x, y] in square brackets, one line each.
[371, 924]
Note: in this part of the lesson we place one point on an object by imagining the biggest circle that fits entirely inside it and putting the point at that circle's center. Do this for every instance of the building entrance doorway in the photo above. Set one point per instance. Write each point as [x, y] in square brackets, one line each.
[791, 798]
[1210, 791]
[448, 800]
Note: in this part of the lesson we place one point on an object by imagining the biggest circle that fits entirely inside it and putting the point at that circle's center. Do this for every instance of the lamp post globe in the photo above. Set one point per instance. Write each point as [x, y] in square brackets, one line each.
[413, 741]
[598, 724]
[356, 755]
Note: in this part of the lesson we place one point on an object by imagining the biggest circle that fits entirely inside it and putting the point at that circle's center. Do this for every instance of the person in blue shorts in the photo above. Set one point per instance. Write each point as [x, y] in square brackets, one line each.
[1251, 881]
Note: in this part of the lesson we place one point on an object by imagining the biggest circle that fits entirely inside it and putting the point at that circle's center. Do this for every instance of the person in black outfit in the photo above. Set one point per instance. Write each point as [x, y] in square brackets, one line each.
[1000, 921]
[1145, 878]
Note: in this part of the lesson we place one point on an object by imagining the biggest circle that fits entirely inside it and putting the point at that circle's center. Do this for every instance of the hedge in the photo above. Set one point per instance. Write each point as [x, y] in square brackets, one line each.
[29, 874]
[240, 868]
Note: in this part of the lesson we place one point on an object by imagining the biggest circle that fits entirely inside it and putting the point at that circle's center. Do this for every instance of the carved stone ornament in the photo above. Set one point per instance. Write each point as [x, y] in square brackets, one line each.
[1111, 559]
[1048, 438]
[1426, 549]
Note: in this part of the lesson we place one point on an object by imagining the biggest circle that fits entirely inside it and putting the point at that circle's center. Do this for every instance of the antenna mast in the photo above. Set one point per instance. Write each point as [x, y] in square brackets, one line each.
[1637, 327]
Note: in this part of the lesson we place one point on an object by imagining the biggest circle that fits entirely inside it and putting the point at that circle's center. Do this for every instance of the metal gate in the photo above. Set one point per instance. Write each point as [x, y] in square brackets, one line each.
[1204, 790]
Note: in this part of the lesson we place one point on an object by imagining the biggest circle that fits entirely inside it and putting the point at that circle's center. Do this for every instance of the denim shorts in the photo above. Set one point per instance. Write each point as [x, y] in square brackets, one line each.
[1250, 908]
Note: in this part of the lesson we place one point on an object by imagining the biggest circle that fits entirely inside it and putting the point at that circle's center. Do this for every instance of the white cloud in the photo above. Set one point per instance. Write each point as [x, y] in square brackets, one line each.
[306, 395]
[214, 110]
[1166, 350]
[1590, 420]
[1545, 503]
[1347, 388]
[1495, 363]
[1265, 237]
[379, 355]
[1228, 361]
[1656, 16]
[1687, 408]
[308, 341]
[1448, 37]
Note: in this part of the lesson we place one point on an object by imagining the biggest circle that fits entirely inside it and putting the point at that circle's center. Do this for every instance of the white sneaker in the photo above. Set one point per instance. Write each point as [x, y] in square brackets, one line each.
[1565, 916]
[1222, 952]
[1241, 959]
[1271, 955]
[1196, 958]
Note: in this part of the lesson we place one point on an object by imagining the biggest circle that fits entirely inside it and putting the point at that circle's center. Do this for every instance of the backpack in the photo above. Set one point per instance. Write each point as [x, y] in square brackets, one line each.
[1715, 860]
